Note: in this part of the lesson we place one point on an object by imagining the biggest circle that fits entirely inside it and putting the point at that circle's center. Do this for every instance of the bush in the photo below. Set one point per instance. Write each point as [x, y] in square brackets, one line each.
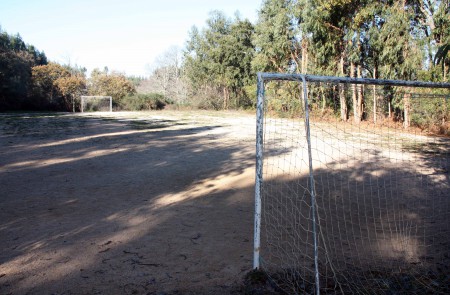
[250, 96]
[208, 98]
[143, 102]
[431, 114]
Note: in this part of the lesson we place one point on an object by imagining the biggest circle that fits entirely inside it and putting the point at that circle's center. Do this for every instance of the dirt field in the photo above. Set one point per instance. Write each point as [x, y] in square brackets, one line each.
[382, 205]
[163, 202]
[129, 203]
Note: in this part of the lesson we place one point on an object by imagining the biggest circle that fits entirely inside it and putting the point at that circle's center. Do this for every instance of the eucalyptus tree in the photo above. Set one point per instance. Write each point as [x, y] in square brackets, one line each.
[328, 24]
[276, 41]
[219, 57]
[217, 37]
[195, 60]
[239, 54]
[432, 22]
[401, 56]
[204, 62]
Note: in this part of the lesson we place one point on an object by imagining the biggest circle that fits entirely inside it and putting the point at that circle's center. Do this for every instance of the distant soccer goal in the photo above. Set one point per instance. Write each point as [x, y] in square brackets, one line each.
[96, 104]
[352, 190]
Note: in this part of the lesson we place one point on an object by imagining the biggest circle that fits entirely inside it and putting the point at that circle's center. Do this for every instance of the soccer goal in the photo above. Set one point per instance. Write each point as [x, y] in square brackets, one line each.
[96, 104]
[352, 191]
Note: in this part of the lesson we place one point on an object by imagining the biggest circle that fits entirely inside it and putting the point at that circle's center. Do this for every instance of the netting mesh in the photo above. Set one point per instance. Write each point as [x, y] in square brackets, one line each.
[381, 189]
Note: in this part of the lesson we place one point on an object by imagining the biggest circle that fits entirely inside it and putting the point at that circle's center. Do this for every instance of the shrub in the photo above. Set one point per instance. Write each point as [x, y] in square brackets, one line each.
[143, 102]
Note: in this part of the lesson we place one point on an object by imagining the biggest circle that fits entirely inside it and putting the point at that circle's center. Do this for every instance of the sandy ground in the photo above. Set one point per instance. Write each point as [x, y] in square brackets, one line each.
[163, 202]
[382, 205]
[147, 203]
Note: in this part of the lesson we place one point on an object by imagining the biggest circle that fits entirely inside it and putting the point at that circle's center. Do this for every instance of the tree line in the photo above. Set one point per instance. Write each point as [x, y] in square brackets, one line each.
[386, 39]
[382, 39]
[402, 39]
[29, 82]
[16, 61]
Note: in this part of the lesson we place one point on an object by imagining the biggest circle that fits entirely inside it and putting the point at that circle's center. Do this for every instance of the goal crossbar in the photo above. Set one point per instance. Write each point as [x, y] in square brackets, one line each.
[346, 80]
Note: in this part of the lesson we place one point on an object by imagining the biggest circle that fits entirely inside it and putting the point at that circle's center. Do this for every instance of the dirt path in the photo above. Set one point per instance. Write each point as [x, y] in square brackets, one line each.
[148, 203]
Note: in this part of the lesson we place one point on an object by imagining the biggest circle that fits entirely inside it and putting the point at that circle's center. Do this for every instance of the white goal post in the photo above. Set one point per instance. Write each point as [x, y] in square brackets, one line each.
[96, 103]
[352, 185]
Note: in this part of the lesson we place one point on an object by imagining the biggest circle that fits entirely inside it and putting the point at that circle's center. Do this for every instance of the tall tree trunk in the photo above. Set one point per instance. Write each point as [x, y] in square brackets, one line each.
[304, 66]
[375, 98]
[407, 110]
[324, 100]
[444, 103]
[226, 98]
[360, 97]
[304, 56]
[445, 70]
[389, 110]
[354, 94]
[342, 100]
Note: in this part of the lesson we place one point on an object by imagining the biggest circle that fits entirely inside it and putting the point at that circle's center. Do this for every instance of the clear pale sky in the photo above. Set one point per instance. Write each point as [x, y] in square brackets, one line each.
[125, 35]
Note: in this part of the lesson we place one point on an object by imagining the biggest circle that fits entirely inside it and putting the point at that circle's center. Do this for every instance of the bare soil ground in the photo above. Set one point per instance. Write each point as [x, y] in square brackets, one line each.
[163, 202]
[126, 203]
[382, 205]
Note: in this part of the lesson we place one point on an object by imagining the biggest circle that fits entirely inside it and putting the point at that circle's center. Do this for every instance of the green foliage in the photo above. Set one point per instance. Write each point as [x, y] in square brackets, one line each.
[275, 38]
[284, 99]
[389, 39]
[328, 23]
[442, 53]
[250, 95]
[400, 56]
[135, 80]
[218, 59]
[16, 60]
[144, 102]
[431, 113]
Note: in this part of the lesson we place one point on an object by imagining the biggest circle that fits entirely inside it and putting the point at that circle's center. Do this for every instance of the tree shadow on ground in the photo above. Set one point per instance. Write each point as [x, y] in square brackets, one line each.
[118, 210]
[382, 228]
[113, 210]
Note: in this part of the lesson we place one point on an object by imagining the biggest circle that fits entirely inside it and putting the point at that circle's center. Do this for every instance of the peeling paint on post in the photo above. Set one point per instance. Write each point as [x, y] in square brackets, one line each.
[312, 186]
[259, 164]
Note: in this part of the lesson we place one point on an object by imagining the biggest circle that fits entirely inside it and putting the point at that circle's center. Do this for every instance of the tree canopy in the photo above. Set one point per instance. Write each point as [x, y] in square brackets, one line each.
[388, 39]
[29, 82]
[16, 60]
[112, 84]
[218, 59]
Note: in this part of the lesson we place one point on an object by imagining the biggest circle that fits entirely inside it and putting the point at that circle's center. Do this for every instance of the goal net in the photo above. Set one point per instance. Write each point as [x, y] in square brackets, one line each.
[352, 186]
[96, 104]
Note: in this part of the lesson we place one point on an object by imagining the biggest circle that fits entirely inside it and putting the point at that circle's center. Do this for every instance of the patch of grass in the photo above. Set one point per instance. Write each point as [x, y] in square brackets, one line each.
[42, 125]
[153, 124]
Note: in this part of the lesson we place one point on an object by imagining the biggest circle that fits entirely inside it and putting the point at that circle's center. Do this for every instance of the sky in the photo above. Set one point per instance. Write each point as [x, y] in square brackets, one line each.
[125, 35]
